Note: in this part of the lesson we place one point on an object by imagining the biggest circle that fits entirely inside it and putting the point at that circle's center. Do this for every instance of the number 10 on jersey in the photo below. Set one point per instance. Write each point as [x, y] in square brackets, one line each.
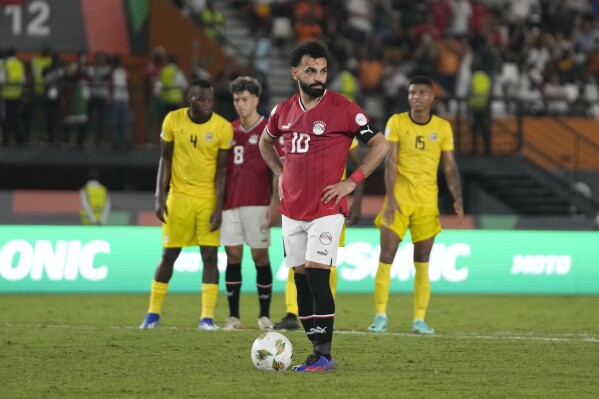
[300, 143]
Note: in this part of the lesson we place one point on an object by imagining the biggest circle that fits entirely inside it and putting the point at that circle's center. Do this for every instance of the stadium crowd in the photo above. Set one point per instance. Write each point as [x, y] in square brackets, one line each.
[542, 53]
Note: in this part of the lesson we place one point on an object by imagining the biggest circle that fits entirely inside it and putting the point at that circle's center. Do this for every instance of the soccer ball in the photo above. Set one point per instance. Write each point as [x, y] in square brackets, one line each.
[272, 351]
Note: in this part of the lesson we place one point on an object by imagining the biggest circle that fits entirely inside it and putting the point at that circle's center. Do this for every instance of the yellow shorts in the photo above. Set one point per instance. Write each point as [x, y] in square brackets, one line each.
[188, 223]
[423, 222]
[342, 237]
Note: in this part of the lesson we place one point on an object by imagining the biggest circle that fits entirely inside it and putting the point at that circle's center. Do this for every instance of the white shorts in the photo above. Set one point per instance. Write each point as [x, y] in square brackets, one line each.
[246, 224]
[315, 240]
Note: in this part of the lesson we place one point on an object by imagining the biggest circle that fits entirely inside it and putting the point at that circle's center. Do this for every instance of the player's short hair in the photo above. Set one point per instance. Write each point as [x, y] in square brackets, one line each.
[312, 48]
[246, 83]
[200, 83]
[421, 80]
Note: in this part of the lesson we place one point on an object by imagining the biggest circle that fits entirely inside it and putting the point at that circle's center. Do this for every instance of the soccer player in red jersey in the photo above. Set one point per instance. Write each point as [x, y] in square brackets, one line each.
[250, 208]
[317, 127]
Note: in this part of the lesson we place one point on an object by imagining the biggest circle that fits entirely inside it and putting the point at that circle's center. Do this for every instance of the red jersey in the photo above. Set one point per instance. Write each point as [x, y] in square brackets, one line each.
[316, 144]
[248, 176]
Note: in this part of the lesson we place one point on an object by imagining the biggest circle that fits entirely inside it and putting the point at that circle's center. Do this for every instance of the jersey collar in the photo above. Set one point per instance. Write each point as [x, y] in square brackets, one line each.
[299, 101]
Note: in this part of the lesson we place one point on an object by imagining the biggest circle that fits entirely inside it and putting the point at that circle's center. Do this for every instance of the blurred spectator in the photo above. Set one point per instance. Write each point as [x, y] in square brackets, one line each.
[95, 200]
[346, 82]
[213, 22]
[370, 69]
[479, 105]
[426, 55]
[307, 28]
[53, 81]
[122, 116]
[461, 12]
[75, 97]
[12, 85]
[261, 14]
[152, 94]
[39, 63]
[173, 85]
[530, 91]
[99, 95]
[282, 26]
[359, 22]
[259, 62]
[193, 9]
[558, 96]
[440, 14]
[590, 96]
[449, 57]
[396, 81]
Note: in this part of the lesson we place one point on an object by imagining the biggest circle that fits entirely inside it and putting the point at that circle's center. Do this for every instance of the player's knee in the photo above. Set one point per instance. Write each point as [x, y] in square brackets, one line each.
[209, 257]
[387, 255]
[169, 256]
[260, 258]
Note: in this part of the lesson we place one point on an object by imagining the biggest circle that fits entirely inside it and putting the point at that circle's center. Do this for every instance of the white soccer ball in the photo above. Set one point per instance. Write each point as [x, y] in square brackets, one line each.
[272, 351]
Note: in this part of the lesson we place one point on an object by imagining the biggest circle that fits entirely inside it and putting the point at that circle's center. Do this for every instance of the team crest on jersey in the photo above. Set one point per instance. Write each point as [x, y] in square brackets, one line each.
[208, 136]
[325, 238]
[361, 119]
[253, 139]
[433, 136]
[165, 238]
[318, 127]
[233, 142]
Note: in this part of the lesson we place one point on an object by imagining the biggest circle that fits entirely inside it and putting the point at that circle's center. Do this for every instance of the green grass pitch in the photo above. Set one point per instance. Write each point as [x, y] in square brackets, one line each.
[487, 346]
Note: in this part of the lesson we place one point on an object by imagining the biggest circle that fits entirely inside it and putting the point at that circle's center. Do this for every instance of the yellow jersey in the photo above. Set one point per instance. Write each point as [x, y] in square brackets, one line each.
[419, 153]
[195, 151]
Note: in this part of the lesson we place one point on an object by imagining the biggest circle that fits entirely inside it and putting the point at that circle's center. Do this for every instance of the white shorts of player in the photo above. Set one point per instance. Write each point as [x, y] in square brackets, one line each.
[246, 224]
[315, 240]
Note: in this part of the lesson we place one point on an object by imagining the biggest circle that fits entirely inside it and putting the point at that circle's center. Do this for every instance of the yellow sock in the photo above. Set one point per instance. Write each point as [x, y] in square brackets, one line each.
[333, 281]
[291, 293]
[157, 296]
[382, 282]
[209, 295]
[422, 290]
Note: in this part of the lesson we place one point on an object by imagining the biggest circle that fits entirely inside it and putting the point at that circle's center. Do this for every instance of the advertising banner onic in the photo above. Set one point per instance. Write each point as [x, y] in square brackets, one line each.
[94, 259]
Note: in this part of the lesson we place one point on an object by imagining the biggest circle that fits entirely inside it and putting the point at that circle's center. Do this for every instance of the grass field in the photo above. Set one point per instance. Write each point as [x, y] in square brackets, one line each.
[487, 346]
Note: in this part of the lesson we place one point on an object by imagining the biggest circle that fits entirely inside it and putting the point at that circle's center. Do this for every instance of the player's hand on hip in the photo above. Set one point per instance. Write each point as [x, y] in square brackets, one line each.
[337, 191]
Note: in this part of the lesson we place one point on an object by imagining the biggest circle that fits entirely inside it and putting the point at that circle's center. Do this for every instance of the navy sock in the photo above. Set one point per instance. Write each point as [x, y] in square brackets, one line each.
[264, 285]
[324, 308]
[233, 284]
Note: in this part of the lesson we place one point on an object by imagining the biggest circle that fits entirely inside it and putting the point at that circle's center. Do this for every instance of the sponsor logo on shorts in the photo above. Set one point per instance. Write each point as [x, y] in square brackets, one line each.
[325, 238]
[323, 253]
[264, 229]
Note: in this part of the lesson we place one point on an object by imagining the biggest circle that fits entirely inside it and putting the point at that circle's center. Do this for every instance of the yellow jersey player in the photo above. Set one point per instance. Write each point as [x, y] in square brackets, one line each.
[290, 321]
[418, 141]
[195, 146]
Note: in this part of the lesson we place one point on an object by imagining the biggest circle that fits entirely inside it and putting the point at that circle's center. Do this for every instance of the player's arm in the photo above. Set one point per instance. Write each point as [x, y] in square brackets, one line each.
[163, 179]
[378, 149]
[220, 182]
[355, 211]
[452, 176]
[390, 176]
[270, 155]
[272, 215]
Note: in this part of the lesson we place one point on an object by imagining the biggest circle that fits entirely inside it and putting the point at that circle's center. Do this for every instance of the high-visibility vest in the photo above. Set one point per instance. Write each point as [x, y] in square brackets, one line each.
[38, 64]
[15, 78]
[212, 21]
[348, 85]
[480, 90]
[171, 94]
[93, 198]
